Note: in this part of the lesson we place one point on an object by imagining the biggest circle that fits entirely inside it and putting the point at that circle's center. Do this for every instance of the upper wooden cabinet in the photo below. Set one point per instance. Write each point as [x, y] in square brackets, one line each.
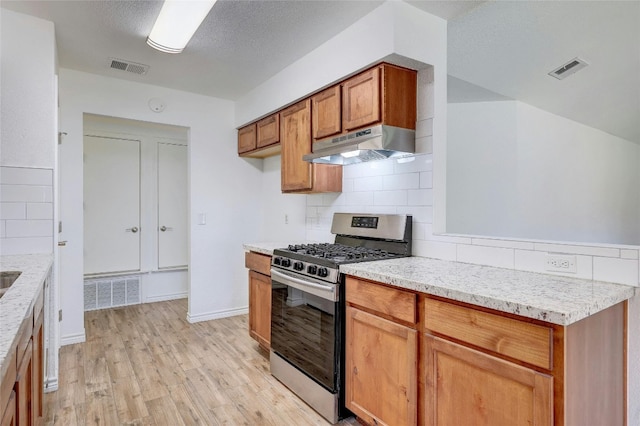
[383, 94]
[268, 130]
[295, 140]
[247, 140]
[327, 113]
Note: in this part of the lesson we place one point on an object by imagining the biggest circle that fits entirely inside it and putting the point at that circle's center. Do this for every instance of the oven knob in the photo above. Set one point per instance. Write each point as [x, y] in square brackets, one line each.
[286, 263]
[323, 272]
[298, 266]
[276, 260]
[312, 269]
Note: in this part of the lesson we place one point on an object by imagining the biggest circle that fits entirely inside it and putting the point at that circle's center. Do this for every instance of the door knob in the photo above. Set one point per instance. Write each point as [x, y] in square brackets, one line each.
[62, 243]
[134, 229]
[163, 228]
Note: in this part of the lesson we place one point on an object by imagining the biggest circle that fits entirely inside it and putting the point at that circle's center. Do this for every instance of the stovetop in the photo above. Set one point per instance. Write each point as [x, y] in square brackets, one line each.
[338, 253]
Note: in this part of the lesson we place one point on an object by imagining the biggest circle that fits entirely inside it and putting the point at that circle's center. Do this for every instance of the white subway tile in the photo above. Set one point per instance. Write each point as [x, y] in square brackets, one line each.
[622, 271]
[490, 242]
[426, 179]
[13, 210]
[25, 193]
[358, 198]
[424, 128]
[380, 210]
[390, 198]
[420, 197]
[29, 228]
[347, 184]
[26, 176]
[419, 163]
[2, 229]
[322, 236]
[423, 214]
[491, 256]
[575, 249]
[434, 249]
[429, 235]
[424, 145]
[39, 211]
[368, 183]
[420, 230]
[628, 254]
[535, 261]
[11, 246]
[371, 168]
[401, 181]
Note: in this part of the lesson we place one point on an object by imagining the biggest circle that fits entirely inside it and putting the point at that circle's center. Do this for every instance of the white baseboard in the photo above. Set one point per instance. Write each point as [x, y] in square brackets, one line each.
[50, 384]
[71, 339]
[163, 297]
[217, 315]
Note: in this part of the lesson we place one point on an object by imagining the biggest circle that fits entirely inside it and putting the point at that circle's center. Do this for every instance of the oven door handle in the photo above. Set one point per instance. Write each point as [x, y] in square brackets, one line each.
[300, 284]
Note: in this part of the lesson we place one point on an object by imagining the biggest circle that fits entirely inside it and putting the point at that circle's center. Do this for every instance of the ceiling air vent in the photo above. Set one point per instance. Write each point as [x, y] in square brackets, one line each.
[571, 67]
[132, 67]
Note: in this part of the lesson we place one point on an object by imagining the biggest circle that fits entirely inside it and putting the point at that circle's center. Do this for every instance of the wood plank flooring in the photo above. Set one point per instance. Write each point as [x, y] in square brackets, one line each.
[146, 365]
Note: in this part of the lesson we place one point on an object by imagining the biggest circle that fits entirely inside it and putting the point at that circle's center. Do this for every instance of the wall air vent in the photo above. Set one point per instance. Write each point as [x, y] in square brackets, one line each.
[571, 67]
[132, 67]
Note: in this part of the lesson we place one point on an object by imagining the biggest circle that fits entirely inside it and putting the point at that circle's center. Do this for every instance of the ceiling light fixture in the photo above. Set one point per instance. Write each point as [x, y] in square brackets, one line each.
[177, 22]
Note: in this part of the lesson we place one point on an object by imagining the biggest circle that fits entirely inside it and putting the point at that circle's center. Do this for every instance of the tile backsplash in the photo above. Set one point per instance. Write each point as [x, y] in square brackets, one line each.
[26, 210]
[390, 186]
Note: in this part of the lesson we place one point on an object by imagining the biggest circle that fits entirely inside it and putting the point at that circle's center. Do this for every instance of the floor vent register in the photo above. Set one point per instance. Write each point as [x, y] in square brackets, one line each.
[101, 293]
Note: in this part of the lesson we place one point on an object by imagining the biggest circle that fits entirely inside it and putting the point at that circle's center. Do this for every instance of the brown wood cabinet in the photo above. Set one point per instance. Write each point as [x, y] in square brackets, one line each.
[38, 364]
[383, 94]
[295, 138]
[326, 107]
[24, 387]
[247, 139]
[9, 415]
[268, 131]
[477, 365]
[381, 360]
[259, 298]
[465, 387]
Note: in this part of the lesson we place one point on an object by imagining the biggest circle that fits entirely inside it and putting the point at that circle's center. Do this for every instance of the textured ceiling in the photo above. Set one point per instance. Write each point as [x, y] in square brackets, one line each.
[496, 50]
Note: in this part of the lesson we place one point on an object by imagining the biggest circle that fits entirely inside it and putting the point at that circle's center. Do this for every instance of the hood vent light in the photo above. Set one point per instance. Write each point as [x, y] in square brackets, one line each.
[571, 67]
[132, 67]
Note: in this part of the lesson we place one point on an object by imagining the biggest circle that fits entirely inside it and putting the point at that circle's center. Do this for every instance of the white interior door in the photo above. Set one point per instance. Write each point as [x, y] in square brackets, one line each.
[111, 205]
[172, 205]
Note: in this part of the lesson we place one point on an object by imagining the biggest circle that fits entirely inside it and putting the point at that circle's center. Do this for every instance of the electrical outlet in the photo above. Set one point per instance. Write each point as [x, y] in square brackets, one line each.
[561, 263]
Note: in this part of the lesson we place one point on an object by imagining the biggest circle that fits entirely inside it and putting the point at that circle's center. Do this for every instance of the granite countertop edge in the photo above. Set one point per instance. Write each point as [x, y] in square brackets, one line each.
[555, 299]
[17, 302]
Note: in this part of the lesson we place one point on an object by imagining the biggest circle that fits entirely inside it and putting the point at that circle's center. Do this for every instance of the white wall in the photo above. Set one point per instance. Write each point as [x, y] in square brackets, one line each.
[516, 171]
[27, 86]
[222, 185]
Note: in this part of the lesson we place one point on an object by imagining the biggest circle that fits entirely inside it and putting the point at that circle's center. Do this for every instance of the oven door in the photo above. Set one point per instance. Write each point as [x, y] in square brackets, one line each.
[305, 323]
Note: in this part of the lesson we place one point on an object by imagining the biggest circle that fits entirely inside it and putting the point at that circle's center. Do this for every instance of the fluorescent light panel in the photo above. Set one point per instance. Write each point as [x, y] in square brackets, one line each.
[177, 22]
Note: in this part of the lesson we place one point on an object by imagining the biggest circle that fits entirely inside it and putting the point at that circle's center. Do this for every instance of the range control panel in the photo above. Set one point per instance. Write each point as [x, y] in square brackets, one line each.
[364, 222]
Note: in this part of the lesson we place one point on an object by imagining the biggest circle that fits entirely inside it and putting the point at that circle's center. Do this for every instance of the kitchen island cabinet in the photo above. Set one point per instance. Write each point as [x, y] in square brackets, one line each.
[381, 354]
[259, 266]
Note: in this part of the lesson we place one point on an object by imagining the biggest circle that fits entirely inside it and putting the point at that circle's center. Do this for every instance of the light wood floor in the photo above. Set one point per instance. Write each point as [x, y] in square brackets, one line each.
[146, 365]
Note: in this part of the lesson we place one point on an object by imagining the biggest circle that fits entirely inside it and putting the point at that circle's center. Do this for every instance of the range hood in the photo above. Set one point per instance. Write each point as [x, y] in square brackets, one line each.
[374, 143]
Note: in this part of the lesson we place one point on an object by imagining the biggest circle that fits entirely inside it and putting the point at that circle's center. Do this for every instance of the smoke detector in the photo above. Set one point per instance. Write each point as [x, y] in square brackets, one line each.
[571, 67]
[128, 66]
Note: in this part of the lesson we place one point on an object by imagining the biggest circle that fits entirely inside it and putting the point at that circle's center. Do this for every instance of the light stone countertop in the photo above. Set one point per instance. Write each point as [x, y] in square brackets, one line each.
[549, 298]
[555, 299]
[17, 302]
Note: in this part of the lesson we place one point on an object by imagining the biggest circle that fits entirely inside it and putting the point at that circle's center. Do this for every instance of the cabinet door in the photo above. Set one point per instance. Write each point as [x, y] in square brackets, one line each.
[24, 388]
[327, 113]
[38, 366]
[381, 369]
[464, 386]
[268, 131]
[9, 415]
[295, 137]
[361, 100]
[247, 140]
[260, 308]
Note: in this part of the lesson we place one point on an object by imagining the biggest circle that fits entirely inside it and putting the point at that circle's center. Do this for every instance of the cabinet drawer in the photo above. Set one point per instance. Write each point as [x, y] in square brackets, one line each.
[523, 341]
[396, 303]
[24, 336]
[258, 262]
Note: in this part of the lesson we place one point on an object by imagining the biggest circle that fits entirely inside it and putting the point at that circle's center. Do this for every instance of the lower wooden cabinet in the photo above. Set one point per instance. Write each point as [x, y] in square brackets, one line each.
[38, 366]
[468, 387]
[381, 369]
[24, 388]
[9, 415]
[260, 308]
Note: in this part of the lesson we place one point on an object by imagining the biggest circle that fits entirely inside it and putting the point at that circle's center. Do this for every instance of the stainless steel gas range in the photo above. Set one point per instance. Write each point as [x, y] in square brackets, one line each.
[308, 307]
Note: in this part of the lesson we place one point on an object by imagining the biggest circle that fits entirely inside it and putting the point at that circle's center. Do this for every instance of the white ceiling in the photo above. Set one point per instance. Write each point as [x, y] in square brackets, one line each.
[504, 47]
